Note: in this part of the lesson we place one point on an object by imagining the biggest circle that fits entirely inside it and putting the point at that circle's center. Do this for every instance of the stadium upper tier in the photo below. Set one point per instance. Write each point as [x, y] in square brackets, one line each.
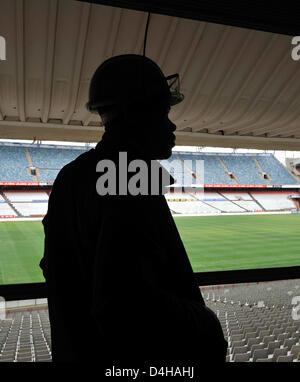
[186, 168]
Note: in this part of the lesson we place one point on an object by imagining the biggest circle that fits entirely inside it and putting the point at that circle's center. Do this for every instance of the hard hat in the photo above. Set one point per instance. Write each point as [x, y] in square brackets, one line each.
[131, 78]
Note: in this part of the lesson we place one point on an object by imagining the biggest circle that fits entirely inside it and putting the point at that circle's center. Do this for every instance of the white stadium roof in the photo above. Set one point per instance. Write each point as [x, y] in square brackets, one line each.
[241, 86]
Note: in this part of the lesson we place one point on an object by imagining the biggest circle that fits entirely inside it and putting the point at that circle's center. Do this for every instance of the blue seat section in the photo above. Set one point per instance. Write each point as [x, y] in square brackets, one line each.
[214, 172]
[278, 174]
[180, 165]
[51, 160]
[14, 164]
[47, 175]
[244, 168]
[186, 168]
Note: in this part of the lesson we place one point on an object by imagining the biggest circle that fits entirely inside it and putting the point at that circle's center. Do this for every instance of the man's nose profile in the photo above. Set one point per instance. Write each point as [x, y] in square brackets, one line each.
[122, 252]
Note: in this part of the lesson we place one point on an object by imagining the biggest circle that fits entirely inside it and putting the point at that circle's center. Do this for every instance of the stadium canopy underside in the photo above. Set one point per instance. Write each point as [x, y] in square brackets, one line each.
[241, 85]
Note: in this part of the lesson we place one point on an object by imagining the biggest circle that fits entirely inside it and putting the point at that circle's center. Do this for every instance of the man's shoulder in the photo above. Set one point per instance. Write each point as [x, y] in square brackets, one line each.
[82, 163]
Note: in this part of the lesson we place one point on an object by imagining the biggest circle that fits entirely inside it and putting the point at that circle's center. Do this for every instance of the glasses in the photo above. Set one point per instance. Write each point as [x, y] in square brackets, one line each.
[174, 86]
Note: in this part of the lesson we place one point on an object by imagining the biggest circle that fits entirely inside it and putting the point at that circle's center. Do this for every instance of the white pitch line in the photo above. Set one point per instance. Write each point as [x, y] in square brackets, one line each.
[19, 219]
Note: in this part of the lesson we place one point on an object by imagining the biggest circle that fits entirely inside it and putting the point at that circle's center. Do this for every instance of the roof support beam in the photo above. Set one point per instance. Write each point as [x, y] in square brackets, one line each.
[235, 141]
[79, 58]
[109, 51]
[49, 60]
[20, 58]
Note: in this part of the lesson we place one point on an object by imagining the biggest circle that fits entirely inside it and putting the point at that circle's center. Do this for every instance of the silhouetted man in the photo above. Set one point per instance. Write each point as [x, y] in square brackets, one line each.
[120, 285]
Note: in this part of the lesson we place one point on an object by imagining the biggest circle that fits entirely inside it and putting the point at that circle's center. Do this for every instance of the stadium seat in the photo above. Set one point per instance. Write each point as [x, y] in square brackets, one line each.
[278, 331]
[295, 351]
[264, 360]
[249, 335]
[257, 347]
[237, 337]
[245, 357]
[260, 353]
[249, 329]
[297, 336]
[289, 342]
[272, 345]
[285, 358]
[252, 341]
[280, 352]
[282, 337]
[236, 331]
[263, 333]
[238, 343]
[291, 329]
[268, 339]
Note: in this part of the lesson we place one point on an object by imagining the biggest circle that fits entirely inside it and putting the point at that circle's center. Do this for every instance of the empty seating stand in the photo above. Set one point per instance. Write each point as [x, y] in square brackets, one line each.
[254, 333]
[25, 336]
[28, 203]
[186, 167]
[257, 333]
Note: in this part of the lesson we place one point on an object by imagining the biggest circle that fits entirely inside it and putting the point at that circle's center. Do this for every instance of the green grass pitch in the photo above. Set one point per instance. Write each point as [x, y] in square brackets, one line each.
[241, 241]
[212, 243]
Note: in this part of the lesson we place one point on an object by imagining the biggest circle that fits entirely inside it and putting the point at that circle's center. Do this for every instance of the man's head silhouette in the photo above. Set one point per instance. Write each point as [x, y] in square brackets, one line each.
[133, 98]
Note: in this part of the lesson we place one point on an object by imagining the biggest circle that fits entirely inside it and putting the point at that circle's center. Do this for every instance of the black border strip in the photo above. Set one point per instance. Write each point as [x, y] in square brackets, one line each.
[247, 275]
[258, 15]
[38, 290]
[26, 291]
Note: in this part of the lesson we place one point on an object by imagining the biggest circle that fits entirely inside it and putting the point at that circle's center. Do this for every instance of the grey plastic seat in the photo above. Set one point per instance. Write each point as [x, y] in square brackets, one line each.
[238, 343]
[250, 335]
[236, 331]
[268, 339]
[237, 337]
[263, 333]
[296, 335]
[291, 329]
[284, 324]
[278, 331]
[240, 350]
[252, 341]
[285, 358]
[282, 337]
[260, 353]
[261, 327]
[242, 357]
[257, 346]
[249, 329]
[264, 360]
[279, 352]
[289, 342]
[272, 346]
[295, 351]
